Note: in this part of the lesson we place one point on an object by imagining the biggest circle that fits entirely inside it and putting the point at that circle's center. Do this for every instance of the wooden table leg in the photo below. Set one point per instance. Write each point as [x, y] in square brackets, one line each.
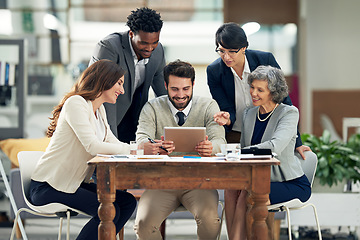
[257, 198]
[106, 197]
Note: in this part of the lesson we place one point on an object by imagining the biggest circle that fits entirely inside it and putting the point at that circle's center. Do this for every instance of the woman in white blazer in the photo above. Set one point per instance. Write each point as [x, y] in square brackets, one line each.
[79, 130]
[273, 125]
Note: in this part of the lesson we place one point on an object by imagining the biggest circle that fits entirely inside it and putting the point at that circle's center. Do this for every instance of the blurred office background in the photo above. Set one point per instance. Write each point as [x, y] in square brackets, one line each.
[315, 42]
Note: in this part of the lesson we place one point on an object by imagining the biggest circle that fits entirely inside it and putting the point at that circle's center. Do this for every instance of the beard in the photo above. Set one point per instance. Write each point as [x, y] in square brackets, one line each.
[182, 105]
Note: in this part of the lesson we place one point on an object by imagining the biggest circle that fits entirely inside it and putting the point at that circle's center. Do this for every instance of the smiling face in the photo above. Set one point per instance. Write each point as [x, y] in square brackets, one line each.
[144, 43]
[180, 91]
[260, 93]
[111, 95]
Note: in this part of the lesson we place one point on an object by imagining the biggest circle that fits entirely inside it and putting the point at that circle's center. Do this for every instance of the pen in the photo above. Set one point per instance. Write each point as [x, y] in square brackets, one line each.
[152, 141]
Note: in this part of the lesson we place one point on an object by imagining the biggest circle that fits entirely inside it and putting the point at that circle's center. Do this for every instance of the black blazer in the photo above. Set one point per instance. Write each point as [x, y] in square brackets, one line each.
[222, 87]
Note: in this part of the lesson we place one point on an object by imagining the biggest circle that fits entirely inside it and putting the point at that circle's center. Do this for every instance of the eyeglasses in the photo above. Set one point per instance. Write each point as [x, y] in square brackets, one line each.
[231, 53]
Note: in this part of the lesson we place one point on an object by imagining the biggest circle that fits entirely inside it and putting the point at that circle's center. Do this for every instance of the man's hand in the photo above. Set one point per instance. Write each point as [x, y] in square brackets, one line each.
[168, 145]
[152, 148]
[222, 118]
[204, 148]
[157, 147]
[303, 149]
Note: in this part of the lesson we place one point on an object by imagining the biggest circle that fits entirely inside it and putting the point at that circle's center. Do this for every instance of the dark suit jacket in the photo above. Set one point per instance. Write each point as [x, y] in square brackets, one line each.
[222, 86]
[125, 113]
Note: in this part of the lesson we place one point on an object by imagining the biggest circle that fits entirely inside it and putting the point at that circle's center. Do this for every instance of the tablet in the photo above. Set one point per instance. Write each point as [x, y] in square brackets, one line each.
[185, 138]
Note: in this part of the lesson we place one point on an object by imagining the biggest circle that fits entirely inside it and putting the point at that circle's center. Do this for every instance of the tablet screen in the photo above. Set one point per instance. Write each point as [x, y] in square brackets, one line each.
[185, 138]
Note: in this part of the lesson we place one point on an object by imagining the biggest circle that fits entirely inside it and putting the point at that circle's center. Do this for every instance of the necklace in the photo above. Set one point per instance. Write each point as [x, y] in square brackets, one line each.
[262, 120]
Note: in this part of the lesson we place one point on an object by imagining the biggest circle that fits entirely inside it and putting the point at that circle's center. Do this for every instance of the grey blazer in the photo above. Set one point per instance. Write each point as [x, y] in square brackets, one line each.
[116, 47]
[279, 136]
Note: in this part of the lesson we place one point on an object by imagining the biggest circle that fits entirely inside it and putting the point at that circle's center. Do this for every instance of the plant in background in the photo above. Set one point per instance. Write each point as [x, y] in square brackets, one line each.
[336, 161]
[354, 143]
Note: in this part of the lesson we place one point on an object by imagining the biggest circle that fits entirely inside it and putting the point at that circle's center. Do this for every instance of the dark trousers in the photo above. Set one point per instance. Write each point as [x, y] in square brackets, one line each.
[127, 127]
[85, 200]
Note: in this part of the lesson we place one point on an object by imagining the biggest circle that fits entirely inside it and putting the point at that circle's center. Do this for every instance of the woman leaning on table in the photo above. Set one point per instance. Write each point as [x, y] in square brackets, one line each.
[78, 131]
[273, 125]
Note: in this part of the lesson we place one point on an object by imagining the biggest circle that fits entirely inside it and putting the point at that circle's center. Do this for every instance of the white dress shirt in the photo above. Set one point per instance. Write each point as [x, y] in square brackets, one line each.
[242, 95]
[139, 67]
[174, 110]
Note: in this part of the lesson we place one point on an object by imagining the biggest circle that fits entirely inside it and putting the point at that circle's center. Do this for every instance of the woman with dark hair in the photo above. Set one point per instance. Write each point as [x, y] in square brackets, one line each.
[79, 131]
[227, 77]
[272, 125]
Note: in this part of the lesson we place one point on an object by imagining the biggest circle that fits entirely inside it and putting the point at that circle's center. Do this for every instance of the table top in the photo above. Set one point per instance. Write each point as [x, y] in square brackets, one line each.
[166, 160]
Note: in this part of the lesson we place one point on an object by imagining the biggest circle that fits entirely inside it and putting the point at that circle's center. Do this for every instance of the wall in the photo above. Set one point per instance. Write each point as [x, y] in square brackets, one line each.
[329, 48]
[261, 11]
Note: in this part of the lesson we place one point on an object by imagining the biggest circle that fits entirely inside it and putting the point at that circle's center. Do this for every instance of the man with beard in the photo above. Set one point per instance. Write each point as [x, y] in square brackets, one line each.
[155, 205]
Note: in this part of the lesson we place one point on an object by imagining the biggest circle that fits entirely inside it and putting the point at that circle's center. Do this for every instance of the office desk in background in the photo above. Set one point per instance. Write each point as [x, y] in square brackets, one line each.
[207, 173]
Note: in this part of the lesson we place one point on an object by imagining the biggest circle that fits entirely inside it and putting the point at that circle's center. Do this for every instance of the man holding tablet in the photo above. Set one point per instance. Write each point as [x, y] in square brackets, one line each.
[178, 108]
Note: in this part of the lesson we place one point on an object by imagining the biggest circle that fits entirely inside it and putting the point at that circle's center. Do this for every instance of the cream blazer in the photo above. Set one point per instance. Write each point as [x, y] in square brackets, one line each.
[64, 164]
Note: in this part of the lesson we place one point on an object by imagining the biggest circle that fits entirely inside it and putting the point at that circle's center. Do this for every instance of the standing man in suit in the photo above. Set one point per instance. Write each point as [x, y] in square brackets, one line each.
[227, 78]
[140, 53]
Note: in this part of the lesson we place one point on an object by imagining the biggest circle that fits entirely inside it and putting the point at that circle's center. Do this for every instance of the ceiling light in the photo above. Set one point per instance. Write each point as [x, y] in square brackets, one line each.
[251, 28]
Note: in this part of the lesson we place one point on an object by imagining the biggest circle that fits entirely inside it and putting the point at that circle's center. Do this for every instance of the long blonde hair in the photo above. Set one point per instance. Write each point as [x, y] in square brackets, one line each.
[97, 78]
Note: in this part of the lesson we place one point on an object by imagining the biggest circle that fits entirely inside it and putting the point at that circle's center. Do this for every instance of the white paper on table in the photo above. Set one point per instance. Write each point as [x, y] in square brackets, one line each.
[252, 156]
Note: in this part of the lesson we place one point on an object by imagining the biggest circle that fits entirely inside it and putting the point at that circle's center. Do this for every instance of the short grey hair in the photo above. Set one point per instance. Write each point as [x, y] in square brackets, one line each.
[275, 79]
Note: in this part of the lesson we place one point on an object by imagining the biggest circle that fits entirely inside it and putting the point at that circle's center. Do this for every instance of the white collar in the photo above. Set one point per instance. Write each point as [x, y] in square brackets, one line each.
[174, 110]
[246, 68]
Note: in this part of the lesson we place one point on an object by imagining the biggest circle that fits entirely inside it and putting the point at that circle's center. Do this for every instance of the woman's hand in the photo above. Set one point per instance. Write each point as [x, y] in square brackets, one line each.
[303, 149]
[222, 118]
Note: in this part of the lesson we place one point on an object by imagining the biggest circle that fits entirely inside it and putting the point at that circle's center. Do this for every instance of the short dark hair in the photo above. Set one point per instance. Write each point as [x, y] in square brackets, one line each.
[231, 36]
[276, 81]
[179, 68]
[144, 19]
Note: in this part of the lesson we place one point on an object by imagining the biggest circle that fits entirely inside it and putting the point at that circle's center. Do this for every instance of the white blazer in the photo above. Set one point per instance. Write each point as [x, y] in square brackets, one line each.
[64, 164]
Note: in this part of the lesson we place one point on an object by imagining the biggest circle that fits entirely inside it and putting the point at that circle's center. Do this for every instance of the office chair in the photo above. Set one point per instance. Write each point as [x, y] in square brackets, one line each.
[309, 167]
[11, 198]
[27, 163]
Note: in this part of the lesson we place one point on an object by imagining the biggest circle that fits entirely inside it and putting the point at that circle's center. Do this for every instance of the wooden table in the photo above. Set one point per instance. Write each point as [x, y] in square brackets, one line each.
[252, 175]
